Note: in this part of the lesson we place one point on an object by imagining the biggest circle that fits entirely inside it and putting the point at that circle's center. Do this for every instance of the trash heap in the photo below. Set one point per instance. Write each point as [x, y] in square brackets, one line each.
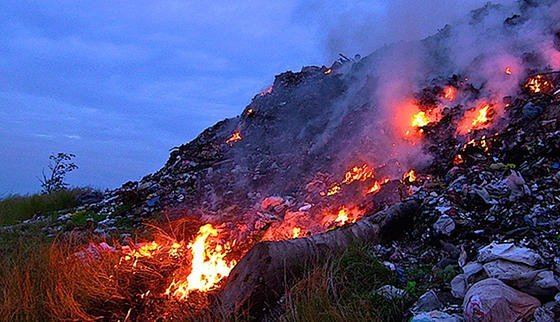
[491, 224]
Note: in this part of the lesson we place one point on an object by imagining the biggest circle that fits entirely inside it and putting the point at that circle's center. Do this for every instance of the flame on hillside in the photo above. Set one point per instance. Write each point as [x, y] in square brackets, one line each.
[477, 118]
[450, 93]
[235, 136]
[539, 84]
[208, 264]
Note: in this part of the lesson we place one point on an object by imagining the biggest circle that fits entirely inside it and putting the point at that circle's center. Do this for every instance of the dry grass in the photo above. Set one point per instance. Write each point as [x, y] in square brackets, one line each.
[41, 281]
[71, 279]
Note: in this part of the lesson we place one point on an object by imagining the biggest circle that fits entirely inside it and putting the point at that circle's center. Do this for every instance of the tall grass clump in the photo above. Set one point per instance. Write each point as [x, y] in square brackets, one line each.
[14, 209]
[50, 281]
[343, 288]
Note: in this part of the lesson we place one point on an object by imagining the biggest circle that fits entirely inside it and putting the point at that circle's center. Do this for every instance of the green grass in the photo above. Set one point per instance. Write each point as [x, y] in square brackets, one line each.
[14, 209]
[344, 289]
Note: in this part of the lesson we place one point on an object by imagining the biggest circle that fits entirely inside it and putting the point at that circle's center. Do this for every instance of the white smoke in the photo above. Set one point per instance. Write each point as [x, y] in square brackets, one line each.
[479, 47]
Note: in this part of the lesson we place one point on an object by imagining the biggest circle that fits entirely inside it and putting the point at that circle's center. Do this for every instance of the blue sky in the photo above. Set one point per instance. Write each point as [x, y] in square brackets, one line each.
[119, 83]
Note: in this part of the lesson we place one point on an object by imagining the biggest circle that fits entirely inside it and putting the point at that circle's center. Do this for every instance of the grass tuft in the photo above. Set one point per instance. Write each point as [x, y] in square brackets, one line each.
[14, 209]
[343, 288]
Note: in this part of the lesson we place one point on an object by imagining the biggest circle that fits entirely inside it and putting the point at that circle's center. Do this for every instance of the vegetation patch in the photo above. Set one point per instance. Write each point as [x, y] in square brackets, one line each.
[14, 209]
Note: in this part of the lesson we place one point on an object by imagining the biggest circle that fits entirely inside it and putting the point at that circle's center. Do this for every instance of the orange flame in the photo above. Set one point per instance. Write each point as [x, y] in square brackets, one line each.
[328, 71]
[377, 185]
[482, 116]
[539, 84]
[508, 71]
[458, 159]
[208, 266]
[410, 176]
[333, 190]
[295, 232]
[478, 118]
[342, 217]
[450, 93]
[419, 120]
[358, 174]
[236, 136]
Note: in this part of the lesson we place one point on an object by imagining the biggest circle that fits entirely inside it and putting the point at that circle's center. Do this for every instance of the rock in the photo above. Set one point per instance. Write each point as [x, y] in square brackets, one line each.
[436, 316]
[509, 252]
[390, 292]
[429, 301]
[459, 286]
[492, 300]
[444, 225]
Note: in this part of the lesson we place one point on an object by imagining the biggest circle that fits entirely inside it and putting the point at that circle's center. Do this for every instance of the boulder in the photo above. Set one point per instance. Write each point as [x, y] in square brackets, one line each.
[492, 300]
[509, 252]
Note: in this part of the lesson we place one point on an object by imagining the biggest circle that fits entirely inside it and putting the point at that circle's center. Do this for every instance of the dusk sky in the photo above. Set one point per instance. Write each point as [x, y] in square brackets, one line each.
[119, 83]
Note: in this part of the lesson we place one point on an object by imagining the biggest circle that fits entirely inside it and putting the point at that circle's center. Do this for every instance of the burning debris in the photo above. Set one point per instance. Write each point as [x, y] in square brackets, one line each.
[539, 84]
[235, 137]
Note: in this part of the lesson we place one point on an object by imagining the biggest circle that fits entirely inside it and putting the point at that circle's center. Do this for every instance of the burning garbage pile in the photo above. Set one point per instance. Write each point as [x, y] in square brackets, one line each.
[322, 156]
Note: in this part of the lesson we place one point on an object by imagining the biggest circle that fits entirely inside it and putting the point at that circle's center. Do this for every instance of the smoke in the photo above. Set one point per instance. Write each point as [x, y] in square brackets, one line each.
[364, 26]
[477, 46]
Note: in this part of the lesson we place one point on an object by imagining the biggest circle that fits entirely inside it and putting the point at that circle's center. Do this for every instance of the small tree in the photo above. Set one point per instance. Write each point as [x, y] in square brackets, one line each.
[59, 166]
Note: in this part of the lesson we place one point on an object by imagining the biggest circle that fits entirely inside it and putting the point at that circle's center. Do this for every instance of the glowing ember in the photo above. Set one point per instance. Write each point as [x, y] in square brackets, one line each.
[268, 91]
[358, 174]
[295, 232]
[236, 136]
[208, 265]
[333, 190]
[328, 71]
[508, 71]
[458, 159]
[449, 93]
[410, 176]
[419, 120]
[539, 84]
